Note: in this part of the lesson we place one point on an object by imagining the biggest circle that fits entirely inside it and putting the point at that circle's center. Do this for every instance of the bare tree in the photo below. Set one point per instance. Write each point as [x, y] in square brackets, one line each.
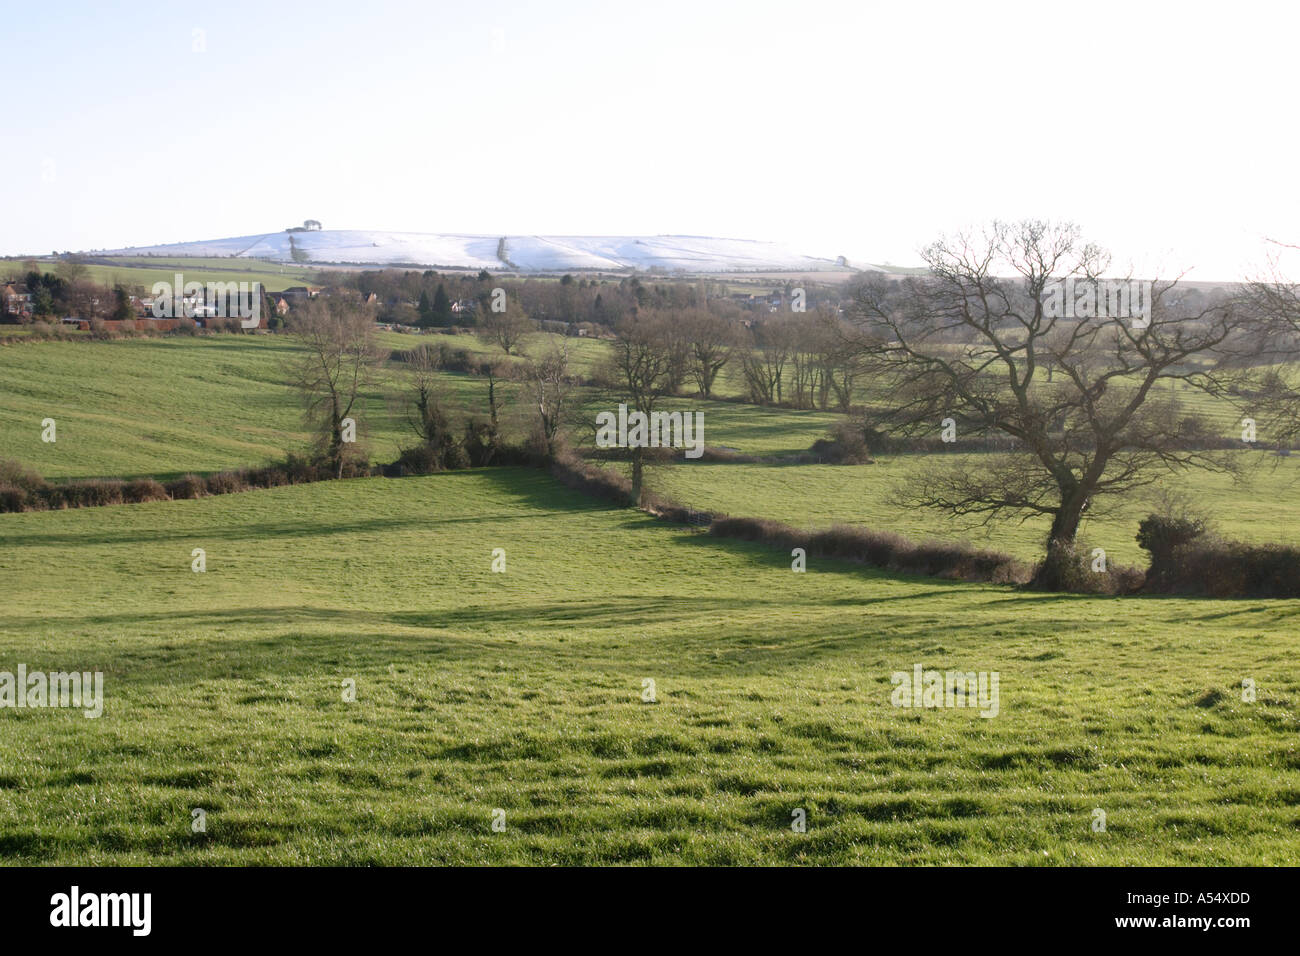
[834, 362]
[968, 343]
[764, 361]
[509, 328]
[711, 339]
[551, 390]
[337, 362]
[426, 411]
[1272, 388]
[639, 371]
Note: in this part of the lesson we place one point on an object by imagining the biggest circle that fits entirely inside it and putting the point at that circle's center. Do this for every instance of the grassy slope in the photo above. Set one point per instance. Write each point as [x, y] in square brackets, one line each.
[1262, 508]
[158, 406]
[165, 406]
[522, 691]
[145, 271]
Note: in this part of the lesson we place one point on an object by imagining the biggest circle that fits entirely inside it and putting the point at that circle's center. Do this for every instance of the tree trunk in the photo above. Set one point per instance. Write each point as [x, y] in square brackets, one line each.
[637, 455]
[1055, 572]
[1065, 525]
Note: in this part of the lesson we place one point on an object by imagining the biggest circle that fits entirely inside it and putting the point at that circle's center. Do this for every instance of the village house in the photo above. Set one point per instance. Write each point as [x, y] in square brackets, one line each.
[17, 300]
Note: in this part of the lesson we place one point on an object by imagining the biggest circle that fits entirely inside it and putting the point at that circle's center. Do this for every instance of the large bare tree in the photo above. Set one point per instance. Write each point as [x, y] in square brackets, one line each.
[640, 371]
[337, 362]
[972, 340]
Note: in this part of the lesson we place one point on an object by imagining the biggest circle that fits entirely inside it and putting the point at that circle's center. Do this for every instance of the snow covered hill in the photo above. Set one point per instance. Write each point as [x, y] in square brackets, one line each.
[524, 253]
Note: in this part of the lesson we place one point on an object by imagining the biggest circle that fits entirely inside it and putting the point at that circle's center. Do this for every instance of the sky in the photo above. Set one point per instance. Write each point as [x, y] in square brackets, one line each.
[1168, 132]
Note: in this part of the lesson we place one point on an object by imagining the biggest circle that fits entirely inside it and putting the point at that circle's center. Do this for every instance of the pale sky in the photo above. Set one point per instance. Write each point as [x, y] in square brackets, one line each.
[1168, 131]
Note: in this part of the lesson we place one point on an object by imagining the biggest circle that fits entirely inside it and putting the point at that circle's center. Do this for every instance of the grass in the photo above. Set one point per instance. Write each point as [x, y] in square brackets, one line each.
[145, 271]
[167, 406]
[522, 691]
[158, 406]
[1258, 509]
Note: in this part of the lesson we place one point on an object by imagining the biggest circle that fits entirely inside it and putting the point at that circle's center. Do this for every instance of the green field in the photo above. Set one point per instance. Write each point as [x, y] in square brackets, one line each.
[522, 691]
[166, 406]
[145, 271]
[1259, 507]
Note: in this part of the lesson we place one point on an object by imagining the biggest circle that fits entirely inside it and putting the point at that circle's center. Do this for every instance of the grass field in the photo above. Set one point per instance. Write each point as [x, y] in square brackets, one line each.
[145, 271]
[1258, 508]
[522, 691]
[166, 406]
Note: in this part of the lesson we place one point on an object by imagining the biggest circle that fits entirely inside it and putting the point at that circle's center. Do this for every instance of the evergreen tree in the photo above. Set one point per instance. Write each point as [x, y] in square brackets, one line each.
[441, 306]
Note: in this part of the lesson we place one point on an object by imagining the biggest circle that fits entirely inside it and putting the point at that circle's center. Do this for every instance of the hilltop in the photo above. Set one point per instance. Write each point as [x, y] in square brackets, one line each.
[519, 253]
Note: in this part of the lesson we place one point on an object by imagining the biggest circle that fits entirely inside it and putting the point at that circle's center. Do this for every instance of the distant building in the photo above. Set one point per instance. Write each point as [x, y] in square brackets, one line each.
[16, 299]
[295, 296]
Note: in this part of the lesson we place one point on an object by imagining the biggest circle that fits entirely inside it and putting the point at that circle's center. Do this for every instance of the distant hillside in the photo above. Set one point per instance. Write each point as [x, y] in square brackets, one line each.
[521, 253]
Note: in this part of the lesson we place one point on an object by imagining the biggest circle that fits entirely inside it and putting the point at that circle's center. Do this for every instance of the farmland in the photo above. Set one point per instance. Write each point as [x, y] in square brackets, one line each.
[522, 691]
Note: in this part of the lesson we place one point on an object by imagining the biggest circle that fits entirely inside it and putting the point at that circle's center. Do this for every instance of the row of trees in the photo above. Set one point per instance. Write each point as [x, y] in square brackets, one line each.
[340, 361]
[1088, 402]
[68, 291]
[427, 297]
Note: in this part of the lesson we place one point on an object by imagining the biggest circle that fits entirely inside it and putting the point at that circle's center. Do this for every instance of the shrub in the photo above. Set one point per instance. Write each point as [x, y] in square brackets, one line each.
[882, 549]
[1161, 535]
[225, 483]
[298, 469]
[481, 443]
[846, 446]
[18, 475]
[1070, 567]
[1231, 569]
[12, 498]
[268, 476]
[144, 489]
[186, 487]
[92, 493]
[420, 460]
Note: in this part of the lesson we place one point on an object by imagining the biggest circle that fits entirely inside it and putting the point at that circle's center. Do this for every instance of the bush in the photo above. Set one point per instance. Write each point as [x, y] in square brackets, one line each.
[17, 475]
[268, 476]
[186, 487]
[1227, 569]
[144, 489]
[12, 498]
[846, 446]
[1069, 567]
[882, 549]
[225, 483]
[90, 494]
[299, 470]
[420, 460]
[1161, 535]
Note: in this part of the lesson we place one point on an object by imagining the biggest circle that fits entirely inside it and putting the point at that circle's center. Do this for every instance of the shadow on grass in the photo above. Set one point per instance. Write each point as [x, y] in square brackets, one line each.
[623, 636]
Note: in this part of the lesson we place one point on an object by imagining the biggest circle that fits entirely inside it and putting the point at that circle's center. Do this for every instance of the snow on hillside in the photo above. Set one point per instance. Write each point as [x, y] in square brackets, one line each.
[527, 253]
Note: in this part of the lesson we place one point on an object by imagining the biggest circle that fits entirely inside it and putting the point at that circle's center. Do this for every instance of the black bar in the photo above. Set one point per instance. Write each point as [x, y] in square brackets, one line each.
[333, 905]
